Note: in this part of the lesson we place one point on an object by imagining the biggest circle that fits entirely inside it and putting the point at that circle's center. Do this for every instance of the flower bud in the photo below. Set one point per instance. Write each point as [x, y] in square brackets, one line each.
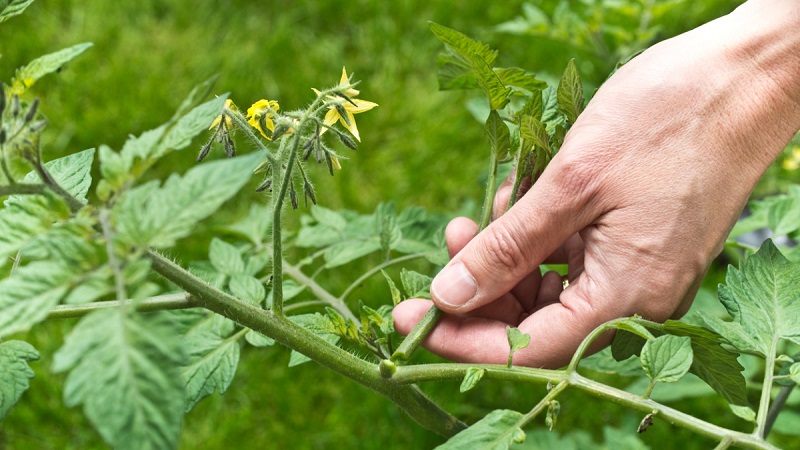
[31, 111]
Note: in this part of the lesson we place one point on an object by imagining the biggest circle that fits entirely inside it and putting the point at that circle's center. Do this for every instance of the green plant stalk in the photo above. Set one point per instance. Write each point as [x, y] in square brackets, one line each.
[456, 372]
[4, 166]
[23, 189]
[512, 199]
[414, 339]
[159, 303]
[431, 318]
[409, 398]
[766, 391]
[527, 418]
[319, 291]
[277, 210]
[116, 266]
[377, 269]
[488, 196]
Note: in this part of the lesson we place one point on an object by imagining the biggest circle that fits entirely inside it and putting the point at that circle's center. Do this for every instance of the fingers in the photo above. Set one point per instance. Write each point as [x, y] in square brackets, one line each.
[513, 246]
[556, 330]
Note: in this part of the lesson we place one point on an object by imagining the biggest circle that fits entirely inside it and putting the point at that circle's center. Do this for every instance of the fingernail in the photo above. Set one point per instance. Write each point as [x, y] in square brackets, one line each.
[454, 286]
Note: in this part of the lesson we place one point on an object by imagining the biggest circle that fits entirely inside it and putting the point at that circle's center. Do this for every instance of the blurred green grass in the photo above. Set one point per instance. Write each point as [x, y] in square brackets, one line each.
[420, 147]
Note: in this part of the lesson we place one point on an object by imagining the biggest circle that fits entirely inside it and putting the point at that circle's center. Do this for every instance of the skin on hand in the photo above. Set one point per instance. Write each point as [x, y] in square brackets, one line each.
[637, 202]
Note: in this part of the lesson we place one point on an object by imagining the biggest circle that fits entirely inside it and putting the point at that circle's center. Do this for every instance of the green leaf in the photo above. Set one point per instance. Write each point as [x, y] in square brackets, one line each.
[415, 284]
[212, 363]
[666, 359]
[225, 257]
[715, 365]
[534, 107]
[794, 372]
[149, 215]
[124, 369]
[247, 289]
[13, 8]
[72, 172]
[604, 362]
[626, 344]
[517, 340]
[328, 217]
[471, 379]
[533, 130]
[497, 431]
[344, 252]
[520, 78]
[257, 339]
[140, 153]
[187, 127]
[14, 372]
[318, 324]
[744, 412]
[396, 297]
[499, 137]
[196, 95]
[761, 297]
[468, 54]
[788, 423]
[43, 65]
[255, 226]
[570, 92]
[28, 295]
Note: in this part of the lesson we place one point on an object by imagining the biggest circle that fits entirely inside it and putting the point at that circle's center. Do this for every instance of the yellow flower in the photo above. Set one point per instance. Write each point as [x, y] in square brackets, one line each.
[342, 110]
[228, 122]
[792, 161]
[260, 116]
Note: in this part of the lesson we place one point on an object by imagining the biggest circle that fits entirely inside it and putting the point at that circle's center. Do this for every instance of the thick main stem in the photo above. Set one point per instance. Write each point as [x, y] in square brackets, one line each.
[284, 331]
[438, 372]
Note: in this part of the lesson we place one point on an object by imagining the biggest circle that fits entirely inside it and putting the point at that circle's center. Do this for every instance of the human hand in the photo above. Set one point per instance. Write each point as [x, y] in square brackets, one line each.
[637, 202]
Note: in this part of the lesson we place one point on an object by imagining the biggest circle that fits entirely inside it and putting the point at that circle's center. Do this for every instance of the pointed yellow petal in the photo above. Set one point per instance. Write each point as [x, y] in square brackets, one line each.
[352, 127]
[360, 106]
[344, 77]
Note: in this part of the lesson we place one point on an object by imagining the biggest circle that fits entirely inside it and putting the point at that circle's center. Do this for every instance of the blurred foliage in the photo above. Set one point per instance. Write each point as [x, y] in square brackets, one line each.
[147, 56]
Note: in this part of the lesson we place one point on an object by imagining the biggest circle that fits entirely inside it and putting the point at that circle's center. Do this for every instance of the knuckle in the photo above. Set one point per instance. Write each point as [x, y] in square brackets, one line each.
[504, 250]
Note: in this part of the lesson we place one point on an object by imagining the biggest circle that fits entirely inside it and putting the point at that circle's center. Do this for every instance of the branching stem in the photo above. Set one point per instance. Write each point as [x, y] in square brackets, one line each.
[319, 291]
[377, 269]
[159, 303]
[22, 189]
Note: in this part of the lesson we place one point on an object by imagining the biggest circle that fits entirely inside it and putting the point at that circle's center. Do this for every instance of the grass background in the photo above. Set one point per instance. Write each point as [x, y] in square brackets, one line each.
[420, 147]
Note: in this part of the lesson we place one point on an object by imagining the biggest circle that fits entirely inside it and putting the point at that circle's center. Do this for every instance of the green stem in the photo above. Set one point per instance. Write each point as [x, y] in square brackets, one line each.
[777, 407]
[319, 291]
[73, 203]
[724, 444]
[277, 210]
[377, 269]
[587, 341]
[488, 197]
[23, 189]
[159, 303]
[766, 391]
[4, 165]
[527, 418]
[649, 389]
[417, 335]
[438, 372]
[284, 331]
[116, 266]
[301, 305]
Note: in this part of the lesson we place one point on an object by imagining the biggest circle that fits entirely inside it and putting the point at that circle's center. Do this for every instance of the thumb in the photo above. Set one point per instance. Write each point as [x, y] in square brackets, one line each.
[492, 263]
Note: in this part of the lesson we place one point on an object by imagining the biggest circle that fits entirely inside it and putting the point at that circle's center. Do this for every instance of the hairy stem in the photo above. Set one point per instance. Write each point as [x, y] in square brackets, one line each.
[377, 269]
[159, 303]
[417, 335]
[284, 331]
[319, 291]
[23, 189]
[527, 418]
[277, 210]
[488, 196]
[456, 372]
